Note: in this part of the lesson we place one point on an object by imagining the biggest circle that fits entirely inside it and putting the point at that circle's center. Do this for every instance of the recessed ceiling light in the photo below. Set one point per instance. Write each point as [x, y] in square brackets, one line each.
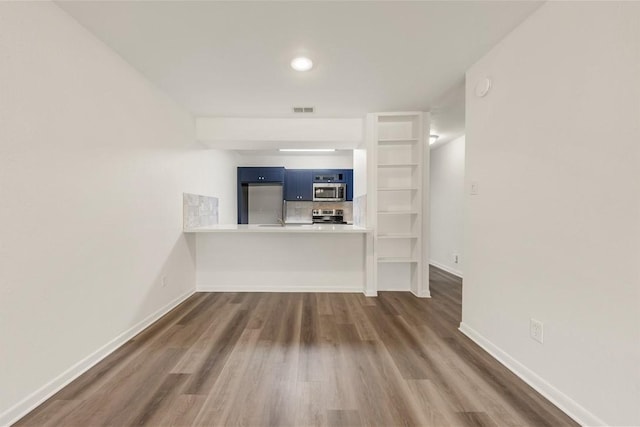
[433, 138]
[301, 63]
[314, 150]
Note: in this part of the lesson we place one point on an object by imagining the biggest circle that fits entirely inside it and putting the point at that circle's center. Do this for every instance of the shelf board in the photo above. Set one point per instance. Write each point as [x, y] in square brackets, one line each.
[397, 259]
[398, 165]
[397, 213]
[397, 189]
[397, 236]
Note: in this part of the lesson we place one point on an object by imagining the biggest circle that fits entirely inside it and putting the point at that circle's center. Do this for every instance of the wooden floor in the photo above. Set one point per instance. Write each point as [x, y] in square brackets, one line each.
[258, 359]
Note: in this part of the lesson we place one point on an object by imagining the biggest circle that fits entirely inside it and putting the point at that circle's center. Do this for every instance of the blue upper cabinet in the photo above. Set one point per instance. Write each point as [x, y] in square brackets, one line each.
[349, 181]
[298, 185]
[329, 175]
[260, 174]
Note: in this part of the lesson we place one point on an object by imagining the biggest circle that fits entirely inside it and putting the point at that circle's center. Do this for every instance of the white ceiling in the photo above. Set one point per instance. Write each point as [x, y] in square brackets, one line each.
[232, 58]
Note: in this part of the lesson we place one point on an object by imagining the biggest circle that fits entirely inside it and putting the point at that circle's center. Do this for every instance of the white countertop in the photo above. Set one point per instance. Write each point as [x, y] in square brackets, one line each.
[275, 228]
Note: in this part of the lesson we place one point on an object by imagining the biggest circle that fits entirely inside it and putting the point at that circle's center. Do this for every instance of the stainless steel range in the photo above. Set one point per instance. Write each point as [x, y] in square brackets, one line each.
[328, 216]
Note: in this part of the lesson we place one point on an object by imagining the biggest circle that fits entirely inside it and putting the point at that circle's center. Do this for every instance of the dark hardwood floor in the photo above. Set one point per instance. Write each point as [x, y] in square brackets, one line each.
[260, 359]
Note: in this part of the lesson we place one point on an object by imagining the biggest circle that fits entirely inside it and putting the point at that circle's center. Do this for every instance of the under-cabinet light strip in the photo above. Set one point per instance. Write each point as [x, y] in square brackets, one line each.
[316, 150]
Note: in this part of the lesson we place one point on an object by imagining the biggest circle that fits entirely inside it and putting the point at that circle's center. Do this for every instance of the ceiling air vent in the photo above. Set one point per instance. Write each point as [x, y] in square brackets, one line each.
[303, 109]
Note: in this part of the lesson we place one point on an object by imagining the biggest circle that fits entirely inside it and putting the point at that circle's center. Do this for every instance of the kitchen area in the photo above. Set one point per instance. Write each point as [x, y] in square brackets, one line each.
[279, 196]
[323, 205]
[297, 228]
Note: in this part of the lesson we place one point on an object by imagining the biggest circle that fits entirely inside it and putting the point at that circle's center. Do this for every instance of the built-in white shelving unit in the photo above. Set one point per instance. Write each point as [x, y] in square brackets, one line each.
[397, 154]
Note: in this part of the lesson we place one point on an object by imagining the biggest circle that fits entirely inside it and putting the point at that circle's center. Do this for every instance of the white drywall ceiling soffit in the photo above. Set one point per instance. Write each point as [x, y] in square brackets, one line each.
[307, 150]
[245, 133]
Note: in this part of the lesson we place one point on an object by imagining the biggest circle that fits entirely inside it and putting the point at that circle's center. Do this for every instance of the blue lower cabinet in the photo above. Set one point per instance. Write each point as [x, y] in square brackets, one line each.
[298, 185]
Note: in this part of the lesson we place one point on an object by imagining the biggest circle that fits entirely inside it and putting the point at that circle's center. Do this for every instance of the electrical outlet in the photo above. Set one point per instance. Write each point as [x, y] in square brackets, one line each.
[536, 330]
[456, 258]
[164, 281]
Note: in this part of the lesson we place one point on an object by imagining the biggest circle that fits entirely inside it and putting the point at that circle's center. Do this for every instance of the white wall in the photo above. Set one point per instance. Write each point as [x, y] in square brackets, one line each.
[447, 198]
[554, 233]
[359, 172]
[219, 176]
[248, 133]
[93, 163]
[341, 159]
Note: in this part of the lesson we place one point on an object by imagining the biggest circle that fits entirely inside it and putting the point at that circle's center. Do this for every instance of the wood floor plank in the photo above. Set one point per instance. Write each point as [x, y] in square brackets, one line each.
[324, 304]
[310, 411]
[200, 338]
[387, 398]
[217, 355]
[236, 376]
[303, 360]
[337, 359]
[403, 347]
[260, 311]
[178, 411]
[436, 411]
[364, 327]
[344, 418]
[340, 310]
[119, 400]
[311, 366]
[51, 414]
[161, 399]
[475, 419]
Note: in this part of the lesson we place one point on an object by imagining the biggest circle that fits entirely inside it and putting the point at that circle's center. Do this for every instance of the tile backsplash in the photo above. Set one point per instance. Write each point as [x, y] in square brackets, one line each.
[360, 211]
[300, 212]
[199, 211]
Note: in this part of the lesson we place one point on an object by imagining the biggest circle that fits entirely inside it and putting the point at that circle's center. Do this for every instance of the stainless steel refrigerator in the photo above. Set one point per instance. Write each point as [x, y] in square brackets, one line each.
[265, 203]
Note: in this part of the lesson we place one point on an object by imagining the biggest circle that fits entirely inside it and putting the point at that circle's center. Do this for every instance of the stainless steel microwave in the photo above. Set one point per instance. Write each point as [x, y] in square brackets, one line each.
[329, 192]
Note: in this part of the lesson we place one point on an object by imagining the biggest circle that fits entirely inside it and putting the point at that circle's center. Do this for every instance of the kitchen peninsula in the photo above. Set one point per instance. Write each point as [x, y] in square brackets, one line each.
[276, 228]
[291, 258]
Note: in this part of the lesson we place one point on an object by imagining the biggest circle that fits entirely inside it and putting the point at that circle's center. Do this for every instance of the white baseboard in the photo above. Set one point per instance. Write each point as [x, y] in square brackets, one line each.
[422, 294]
[276, 288]
[36, 398]
[453, 271]
[393, 289]
[555, 396]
